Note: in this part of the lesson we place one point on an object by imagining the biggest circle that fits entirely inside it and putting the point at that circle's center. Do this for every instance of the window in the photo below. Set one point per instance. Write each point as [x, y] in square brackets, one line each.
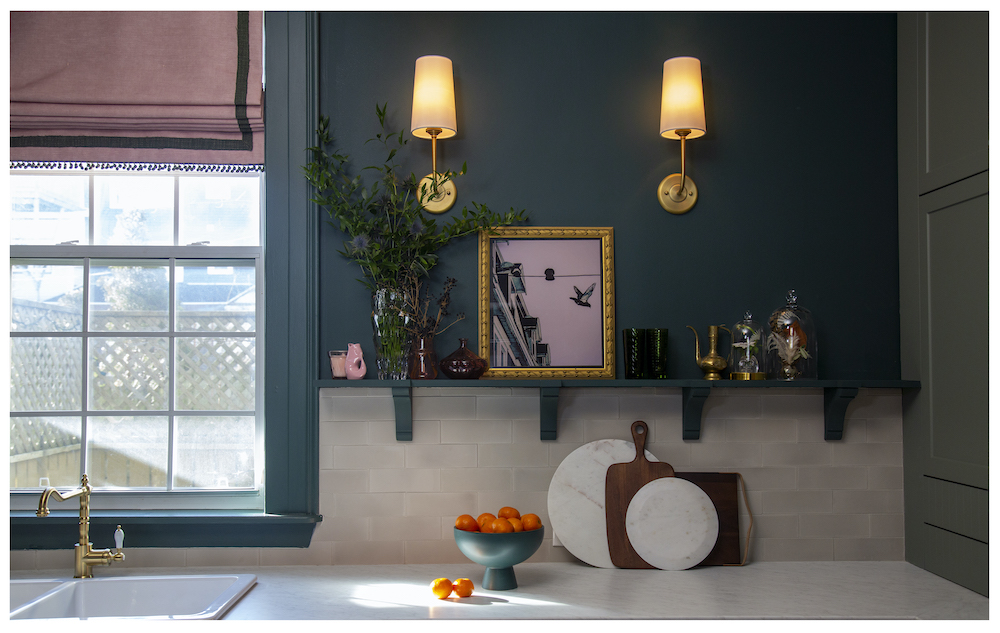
[136, 323]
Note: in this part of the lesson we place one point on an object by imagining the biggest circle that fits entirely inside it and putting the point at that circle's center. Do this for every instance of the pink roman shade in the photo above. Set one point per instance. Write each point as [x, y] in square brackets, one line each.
[137, 87]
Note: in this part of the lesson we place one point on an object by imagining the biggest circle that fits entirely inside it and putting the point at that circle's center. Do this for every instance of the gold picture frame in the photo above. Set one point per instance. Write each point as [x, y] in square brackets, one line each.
[560, 331]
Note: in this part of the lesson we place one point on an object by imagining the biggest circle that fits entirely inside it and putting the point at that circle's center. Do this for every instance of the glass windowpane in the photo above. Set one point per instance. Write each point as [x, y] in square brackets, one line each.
[131, 297]
[134, 210]
[216, 298]
[45, 373]
[127, 452]
[214, 452]
[222, 211]
[44, 447]
[48, 209]
[216, 374]
[46, 297]
[129, 373]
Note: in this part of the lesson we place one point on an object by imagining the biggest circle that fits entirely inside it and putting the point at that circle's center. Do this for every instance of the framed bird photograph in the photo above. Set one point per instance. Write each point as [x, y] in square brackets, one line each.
[547, 302]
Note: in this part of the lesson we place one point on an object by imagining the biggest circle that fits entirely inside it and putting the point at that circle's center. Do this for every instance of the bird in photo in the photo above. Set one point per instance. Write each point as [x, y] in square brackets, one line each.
[583, 298]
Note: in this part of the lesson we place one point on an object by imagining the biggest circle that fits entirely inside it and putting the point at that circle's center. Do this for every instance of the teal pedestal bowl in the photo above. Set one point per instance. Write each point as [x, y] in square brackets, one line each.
[499, 553]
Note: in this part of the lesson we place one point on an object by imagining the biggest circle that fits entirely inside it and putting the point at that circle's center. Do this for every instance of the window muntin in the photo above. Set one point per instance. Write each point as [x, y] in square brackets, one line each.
[133, 356]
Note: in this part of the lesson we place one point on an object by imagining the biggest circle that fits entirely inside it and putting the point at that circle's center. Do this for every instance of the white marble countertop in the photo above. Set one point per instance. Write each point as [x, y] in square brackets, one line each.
[866, 590]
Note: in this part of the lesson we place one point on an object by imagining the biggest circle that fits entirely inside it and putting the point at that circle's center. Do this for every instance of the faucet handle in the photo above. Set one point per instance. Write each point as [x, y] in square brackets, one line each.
[119, 538]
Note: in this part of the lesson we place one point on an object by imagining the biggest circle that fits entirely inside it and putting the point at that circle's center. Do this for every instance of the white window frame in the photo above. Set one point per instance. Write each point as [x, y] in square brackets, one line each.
[250, 499]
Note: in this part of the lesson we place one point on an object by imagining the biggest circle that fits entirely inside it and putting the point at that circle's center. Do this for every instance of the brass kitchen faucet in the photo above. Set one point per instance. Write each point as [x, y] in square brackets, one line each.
[86, 556]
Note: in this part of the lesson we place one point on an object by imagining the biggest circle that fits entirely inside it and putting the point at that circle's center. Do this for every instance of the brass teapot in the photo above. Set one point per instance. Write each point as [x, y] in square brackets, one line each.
[712, 363]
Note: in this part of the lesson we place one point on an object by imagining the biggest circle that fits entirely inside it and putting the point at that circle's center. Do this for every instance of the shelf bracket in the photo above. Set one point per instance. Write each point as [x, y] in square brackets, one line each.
[548, 407]
[835, 403]
[403, 404]
[694, 400]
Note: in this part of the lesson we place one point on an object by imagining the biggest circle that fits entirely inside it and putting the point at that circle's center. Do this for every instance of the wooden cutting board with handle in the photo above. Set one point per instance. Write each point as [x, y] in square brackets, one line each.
[623, 481]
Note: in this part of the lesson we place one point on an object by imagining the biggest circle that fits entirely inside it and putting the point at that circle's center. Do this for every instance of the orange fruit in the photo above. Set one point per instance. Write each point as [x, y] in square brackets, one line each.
[463, 587]
[531, 522]
[502, 526]
[485, 517]
[518, 526]
[467, 523]
[442, 588]
[507, 512]
[486, 527]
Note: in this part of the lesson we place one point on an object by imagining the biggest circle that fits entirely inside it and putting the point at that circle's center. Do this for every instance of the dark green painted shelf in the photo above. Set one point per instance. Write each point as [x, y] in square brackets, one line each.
[837, 395]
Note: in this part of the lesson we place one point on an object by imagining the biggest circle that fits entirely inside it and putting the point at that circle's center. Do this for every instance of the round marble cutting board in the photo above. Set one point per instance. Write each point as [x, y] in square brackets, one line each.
[672, 524]
[576, 498]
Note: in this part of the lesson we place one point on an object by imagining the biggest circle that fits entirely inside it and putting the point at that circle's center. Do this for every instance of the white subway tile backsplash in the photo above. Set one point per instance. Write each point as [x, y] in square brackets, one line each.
[343, 480]
[441, 455]
[476, 450]
[868, 501]
[494, 455]
[532, 479]
[405, 480]
[832, 477]
[868, 549]
[578, 403]
[448, 408]
[794, 549]
[722, 456]
[476, 479]
[799, 406]
[522, 407]
[880, 454]
[833, 525]
[374, 504]
[439, 504]
[358, 457]
[797, 454]
[885, 477]
[477, 431]
[797, 501]
[887, 525]
[735, 406]
[408, 528]
[760, 430]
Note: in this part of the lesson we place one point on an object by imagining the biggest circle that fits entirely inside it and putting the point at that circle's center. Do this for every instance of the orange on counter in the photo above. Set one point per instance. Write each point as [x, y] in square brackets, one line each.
[531, 522]
[507, 512]
[442, 588]
[463, 587]
[467, 523]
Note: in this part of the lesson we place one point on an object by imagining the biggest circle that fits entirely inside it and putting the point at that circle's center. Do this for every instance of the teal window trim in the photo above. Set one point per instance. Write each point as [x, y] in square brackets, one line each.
[291, 444]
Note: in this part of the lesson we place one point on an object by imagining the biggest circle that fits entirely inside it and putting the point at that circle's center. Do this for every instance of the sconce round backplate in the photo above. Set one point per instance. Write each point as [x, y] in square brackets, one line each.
[671, 205]
[445, 198]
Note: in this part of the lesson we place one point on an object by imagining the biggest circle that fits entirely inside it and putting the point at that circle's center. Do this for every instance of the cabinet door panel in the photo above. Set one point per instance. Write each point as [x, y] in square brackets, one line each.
[954, 132]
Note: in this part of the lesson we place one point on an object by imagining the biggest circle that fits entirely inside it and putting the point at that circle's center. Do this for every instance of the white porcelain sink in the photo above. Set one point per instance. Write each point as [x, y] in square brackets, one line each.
[22, 591]
[194, 597]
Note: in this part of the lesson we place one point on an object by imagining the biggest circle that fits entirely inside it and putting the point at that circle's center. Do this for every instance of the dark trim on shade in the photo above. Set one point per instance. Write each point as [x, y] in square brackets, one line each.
[170, 167]
[167, 142]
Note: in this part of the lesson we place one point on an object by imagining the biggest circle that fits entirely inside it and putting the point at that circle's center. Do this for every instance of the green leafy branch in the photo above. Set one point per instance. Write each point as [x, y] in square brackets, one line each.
[390, 237]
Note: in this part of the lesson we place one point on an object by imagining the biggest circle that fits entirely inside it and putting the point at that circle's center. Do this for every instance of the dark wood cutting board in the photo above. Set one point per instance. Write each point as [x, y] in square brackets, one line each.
[623, 481]
[721, 488]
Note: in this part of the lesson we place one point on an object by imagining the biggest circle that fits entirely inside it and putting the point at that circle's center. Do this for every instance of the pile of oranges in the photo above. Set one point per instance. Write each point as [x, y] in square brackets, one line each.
[506, 520]
[442, 588]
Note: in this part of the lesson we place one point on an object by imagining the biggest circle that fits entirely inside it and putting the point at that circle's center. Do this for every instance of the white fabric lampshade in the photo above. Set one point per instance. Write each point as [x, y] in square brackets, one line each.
[682, 106]
[433, 97]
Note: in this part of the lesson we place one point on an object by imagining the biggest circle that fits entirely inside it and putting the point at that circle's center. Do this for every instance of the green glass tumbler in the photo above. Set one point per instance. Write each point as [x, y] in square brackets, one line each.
[656, 353]
[635, 352]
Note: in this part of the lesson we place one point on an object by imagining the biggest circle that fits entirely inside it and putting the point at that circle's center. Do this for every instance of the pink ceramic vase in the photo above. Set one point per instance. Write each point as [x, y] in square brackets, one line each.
[355, 365]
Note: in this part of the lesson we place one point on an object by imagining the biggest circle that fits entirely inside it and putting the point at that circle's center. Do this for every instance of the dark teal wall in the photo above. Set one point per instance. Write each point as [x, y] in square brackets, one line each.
[558, 114]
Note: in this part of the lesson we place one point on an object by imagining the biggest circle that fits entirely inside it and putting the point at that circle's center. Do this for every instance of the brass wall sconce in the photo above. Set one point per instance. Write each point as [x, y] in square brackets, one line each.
[434, 118]
[682, 116]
